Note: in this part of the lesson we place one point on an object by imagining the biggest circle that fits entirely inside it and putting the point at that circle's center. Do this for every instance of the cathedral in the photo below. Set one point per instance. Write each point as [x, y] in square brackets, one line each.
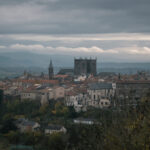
[85, 66]
[81, 67]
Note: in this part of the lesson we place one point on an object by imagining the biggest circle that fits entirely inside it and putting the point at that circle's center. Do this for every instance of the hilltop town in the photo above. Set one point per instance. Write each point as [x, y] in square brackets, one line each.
[79, 87]
[74, 93]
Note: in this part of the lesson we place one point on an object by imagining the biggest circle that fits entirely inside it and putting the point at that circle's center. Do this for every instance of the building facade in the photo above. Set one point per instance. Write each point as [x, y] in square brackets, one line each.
[85, 66]
[100, 94]
[77, 100]
[55, 129]
[57, 92]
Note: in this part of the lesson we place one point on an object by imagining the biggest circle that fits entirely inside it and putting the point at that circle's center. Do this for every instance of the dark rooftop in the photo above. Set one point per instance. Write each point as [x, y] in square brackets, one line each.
[98, 86]
[66, 71]
[54, 127]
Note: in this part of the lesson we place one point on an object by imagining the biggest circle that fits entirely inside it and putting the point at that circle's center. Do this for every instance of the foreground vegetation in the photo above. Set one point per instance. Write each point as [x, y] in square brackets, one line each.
[117, 129]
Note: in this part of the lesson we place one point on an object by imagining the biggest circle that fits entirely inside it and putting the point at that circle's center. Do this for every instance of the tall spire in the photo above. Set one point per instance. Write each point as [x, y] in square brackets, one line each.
[50, 70]
[51, 64]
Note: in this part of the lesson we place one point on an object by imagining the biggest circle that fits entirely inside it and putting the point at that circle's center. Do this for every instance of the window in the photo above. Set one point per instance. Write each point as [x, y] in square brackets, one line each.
[101, 103]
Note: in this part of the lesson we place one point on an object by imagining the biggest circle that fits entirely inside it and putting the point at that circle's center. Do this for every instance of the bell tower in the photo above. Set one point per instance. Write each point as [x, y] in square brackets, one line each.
[50, 71]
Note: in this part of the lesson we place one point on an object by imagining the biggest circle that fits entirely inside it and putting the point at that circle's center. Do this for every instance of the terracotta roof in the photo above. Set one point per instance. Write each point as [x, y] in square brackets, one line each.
[61, 76]
[38, 81]
[71, 93]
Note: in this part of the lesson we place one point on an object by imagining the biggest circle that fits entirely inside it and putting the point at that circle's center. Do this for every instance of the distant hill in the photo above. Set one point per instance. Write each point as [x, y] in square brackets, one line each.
[27, 59]
[14, 63]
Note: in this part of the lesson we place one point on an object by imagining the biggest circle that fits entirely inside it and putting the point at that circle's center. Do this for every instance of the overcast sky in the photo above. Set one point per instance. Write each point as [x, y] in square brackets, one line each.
[111, 30]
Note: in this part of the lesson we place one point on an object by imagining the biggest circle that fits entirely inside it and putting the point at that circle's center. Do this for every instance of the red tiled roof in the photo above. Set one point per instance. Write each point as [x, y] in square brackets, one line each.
[61, 76]
[39, 81]
[71, 93]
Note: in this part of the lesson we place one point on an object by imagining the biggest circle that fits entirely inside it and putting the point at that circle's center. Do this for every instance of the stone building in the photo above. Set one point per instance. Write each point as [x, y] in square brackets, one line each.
[85, 66]
[77, 100]
[31, 95]
[100, 94]
[57, 92]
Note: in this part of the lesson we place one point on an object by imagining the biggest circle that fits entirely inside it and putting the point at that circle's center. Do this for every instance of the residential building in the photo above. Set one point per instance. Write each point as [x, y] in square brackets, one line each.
[24, 125]
[31, 95]
[77, 100]
[83, 121]
[55, 129]
[57, 93]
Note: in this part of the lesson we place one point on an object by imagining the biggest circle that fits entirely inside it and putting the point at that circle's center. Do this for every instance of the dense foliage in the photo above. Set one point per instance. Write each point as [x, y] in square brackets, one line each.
[116, 129]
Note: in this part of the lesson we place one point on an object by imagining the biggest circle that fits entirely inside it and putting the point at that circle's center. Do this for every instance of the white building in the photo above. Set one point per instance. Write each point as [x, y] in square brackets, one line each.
[55, 129]
[80, 78]
[77, 100]
[100, 94]
[83, 121]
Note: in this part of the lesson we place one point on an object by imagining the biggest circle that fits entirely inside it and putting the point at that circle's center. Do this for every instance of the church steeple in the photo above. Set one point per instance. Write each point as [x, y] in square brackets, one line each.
[50, 70]
[50, 64]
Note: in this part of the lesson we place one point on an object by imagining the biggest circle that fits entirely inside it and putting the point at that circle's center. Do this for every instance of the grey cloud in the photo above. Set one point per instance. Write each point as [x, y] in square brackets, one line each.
[74, 16]
[79, 18]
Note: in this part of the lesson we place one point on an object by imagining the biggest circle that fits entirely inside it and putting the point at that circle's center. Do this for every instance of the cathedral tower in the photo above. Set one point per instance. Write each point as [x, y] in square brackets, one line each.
[85, 66]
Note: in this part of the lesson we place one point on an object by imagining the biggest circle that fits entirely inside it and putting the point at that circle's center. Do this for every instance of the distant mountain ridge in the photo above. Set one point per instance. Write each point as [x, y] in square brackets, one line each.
[13, 64]
[28, 59]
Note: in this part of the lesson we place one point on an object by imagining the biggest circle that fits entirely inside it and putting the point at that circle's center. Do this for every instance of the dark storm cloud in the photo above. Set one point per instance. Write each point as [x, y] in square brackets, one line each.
[74, 16]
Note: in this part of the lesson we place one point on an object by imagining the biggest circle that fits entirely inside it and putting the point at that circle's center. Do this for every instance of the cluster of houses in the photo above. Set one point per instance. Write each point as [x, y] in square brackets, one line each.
[100, 91]
[97, 95]
[25, 125]
[80, 95]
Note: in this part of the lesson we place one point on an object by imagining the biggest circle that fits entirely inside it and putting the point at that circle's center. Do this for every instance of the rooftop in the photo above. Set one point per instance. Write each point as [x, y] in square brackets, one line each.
[98, 86]
[54, 127]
